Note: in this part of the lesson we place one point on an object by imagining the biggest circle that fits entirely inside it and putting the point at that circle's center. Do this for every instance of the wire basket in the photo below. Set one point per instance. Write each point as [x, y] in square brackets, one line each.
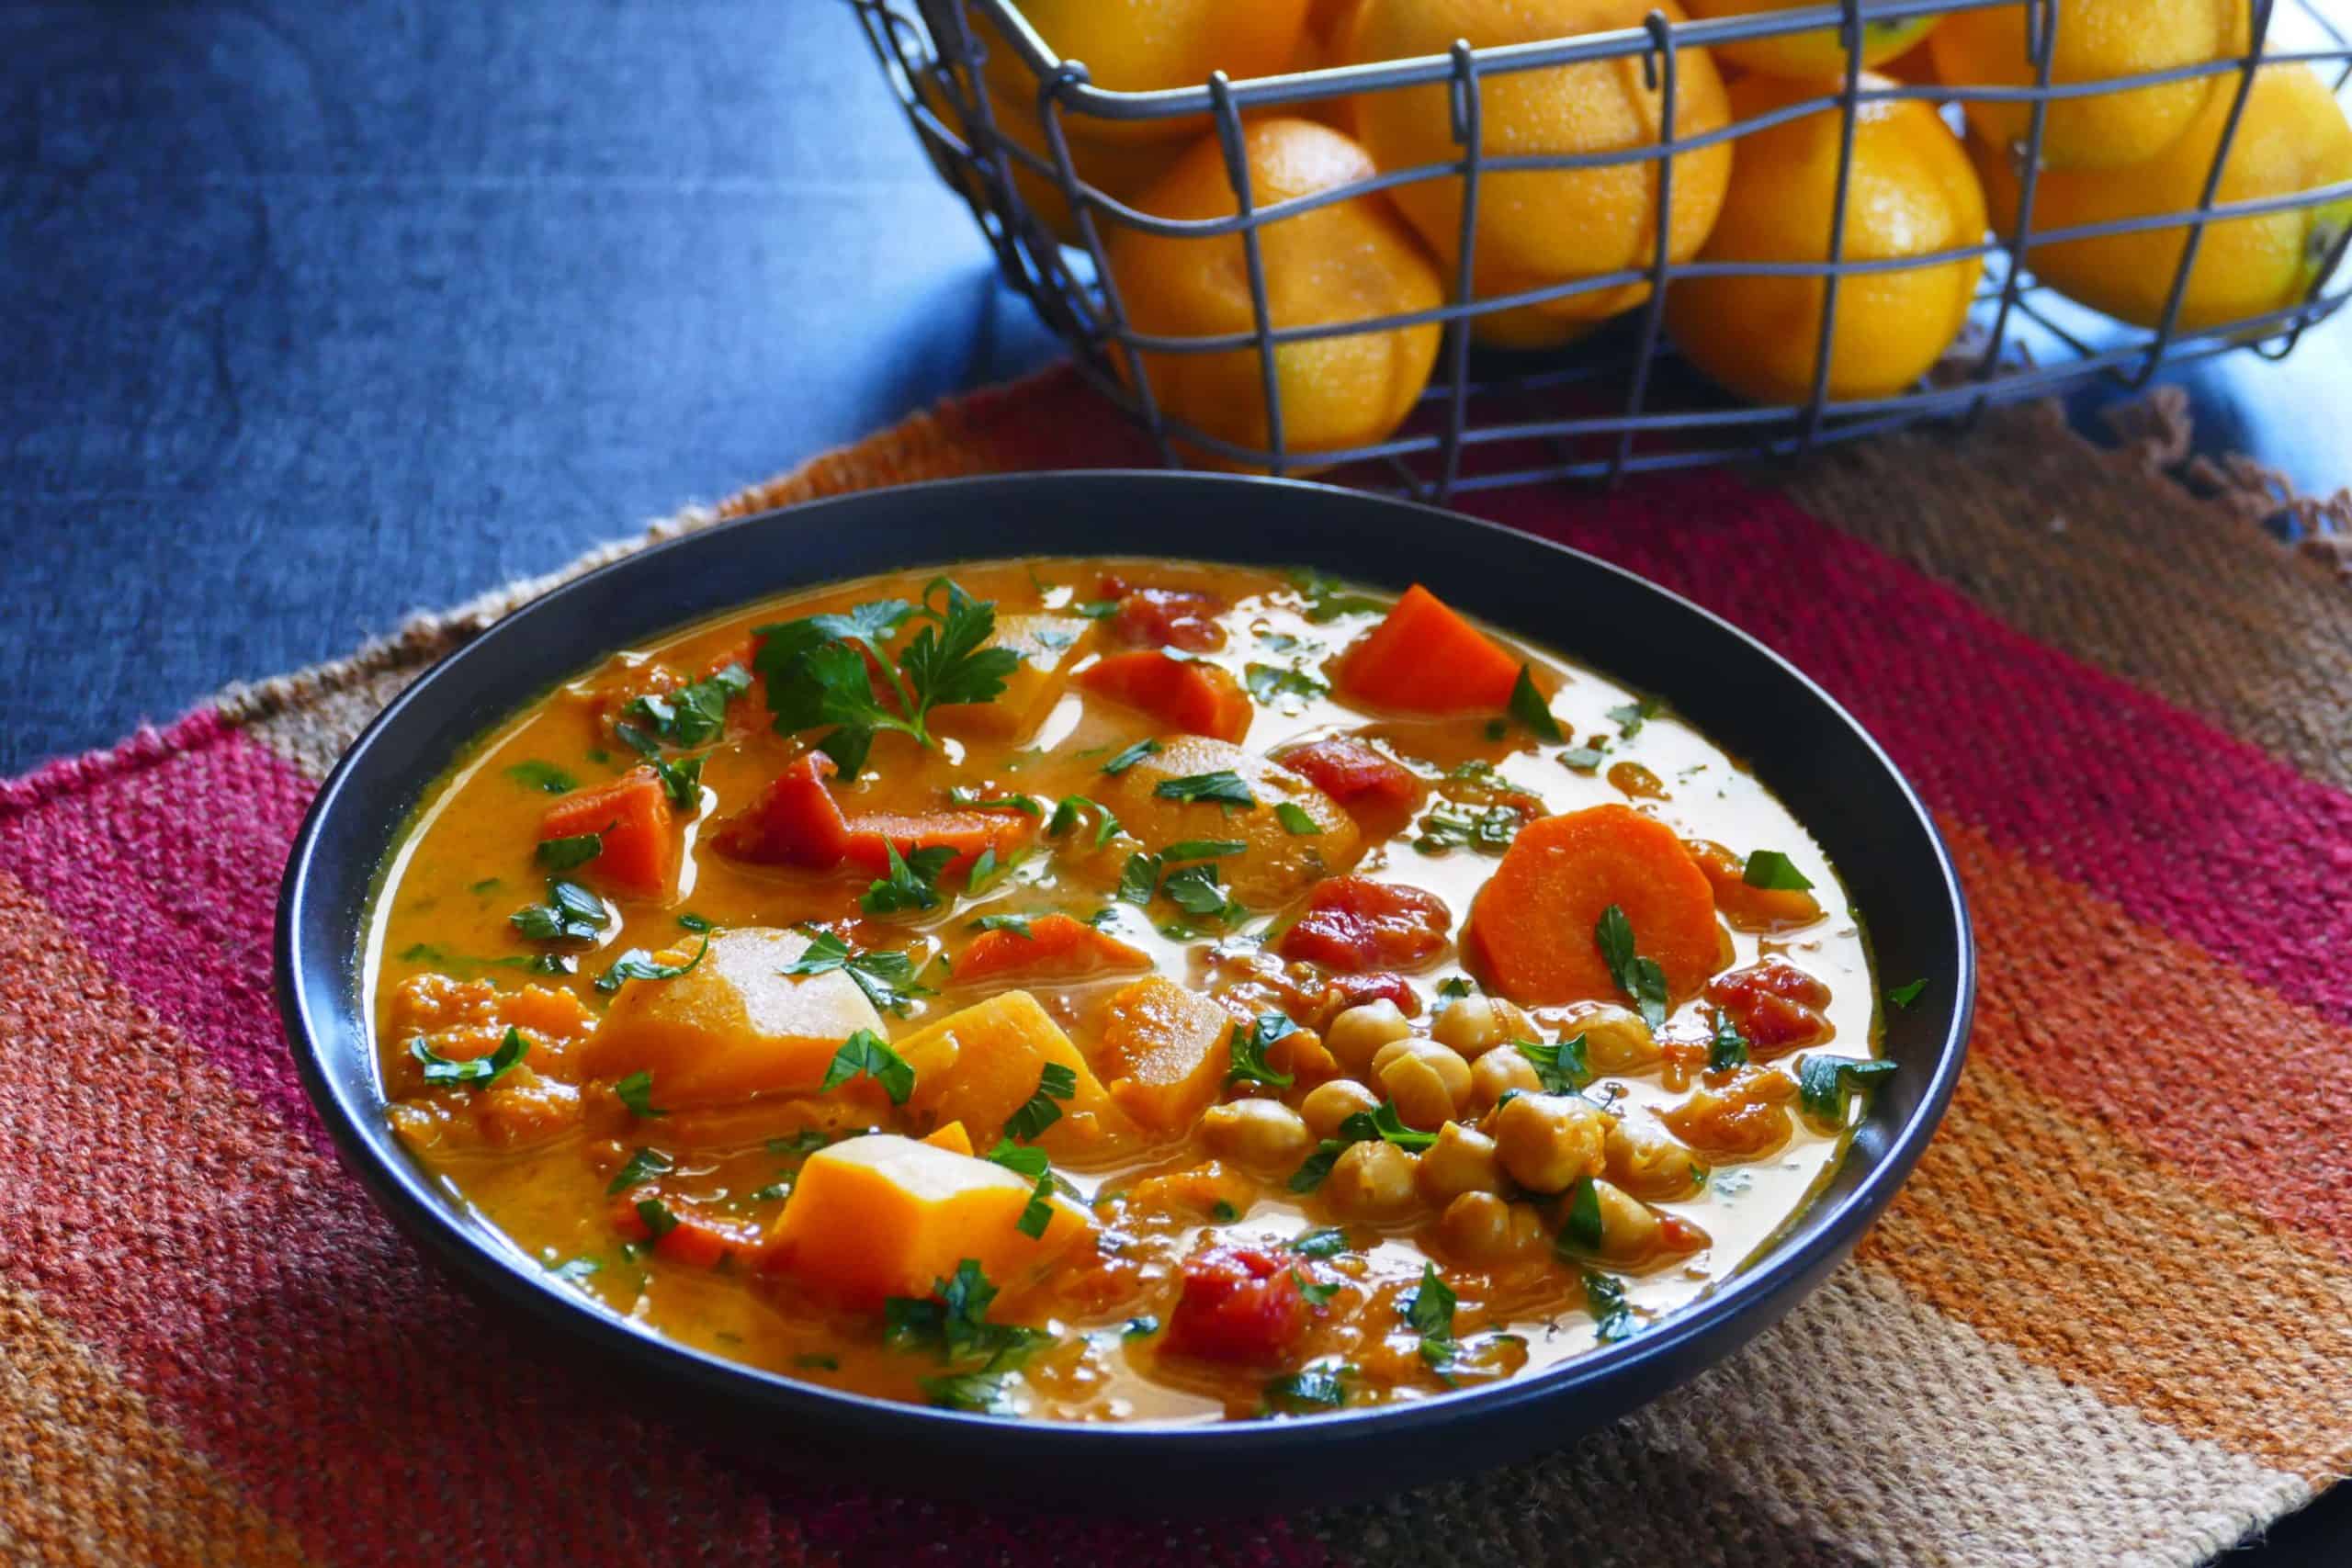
[1619, 402]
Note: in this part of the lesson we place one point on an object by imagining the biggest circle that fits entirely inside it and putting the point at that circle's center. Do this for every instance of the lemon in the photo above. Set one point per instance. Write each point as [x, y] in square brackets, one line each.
[1815, 55]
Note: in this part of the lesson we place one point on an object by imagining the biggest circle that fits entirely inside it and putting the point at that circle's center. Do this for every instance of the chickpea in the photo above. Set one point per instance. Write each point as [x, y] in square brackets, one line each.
[1547, 1141]
[1371, 1181]
[1473, 1025]
[1419, 1093]
[1355, 1034]
[1447, 1063]
[1529, 1236]
[1616, 1040]
[1461, 1161]
[1647, 1162]
[1629, 1227]
[1329, 1104]
[1476, 1227]
[1497, 1073]
[1262, 1133]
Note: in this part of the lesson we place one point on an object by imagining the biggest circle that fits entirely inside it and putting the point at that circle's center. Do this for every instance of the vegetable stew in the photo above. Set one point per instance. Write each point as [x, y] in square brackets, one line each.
[1119, 990]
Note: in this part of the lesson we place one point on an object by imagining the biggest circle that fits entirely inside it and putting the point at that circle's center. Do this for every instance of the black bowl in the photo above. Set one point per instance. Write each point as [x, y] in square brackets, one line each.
[1802, 744]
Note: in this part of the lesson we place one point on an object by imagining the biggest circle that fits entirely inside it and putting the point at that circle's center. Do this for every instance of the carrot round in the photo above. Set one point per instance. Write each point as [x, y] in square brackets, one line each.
[966, 832]
[639, 858]
[1058, 947]
[1424, 658]
[1199, 699]
[1531, 931]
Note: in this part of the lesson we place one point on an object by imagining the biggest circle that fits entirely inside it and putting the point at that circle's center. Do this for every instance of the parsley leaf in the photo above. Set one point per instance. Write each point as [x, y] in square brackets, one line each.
[981, 1393]
[1269, 684]
[1326, 1241]
[1457, 986]
[865, 1052]
[1382, 1122]
[681, 779]
[1528, 706]
[1823, 1082]
[692, 922]
[1631, 716]
[1327, 601]
[480, 1072]
[1194, 888]
[1771, 869]
[1561, 1069]
[987, 873]
[1490, 831]
[1127, 758]
[1200, 849]
[1904, 996]
[1295, 820]
[1429, 1312]
[1017, 924]
[1309, 1389]
[638, 965]
[1057, 1081]
[635, 1091]
[1139, 879]
[952, 1320]
[1224, 1213]
[658, 1220]
[1250, 1051]
[1583, 1230]
[571, 914]
[972, 800]
[536, 774]
[643, 1166]
[1065, 817]
[1728, 1048]
[1640, 979]
[818, 669]
[913, 882]
[1312, 1293]
[888, 979]
[1224, 787]
[1604, 1297]
[578, 849]
[1582, 759]
[691, 716]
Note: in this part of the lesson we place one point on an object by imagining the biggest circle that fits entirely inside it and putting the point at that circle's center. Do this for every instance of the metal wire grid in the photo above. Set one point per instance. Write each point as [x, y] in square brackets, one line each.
[1496, 417]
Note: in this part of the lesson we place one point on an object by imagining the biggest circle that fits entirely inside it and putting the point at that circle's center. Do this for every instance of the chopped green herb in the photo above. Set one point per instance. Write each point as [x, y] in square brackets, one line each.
[1269, 684]
[987, 872]
[1495, 729]
[1019, 1157]
[571, 914]
[681, 780]
[1281, 642]
[1295, 820]
[1382, 1122]
[1310, 1175]
[1771, 869]
[1312, 1293]
[1138, 880]
[1455, 985]
[1328, 600]
[1429, 1312]
[1310, 1389]
[536, 774]
[1094, 609]
[692, 922]
[535, 962]
[1017, 924]
[865, 1053]
[1631, 716]
[913, 882]
[1904, 996]
[638, 965]
[1325, 1241]
[1604, 1297]
[1066, 818]
[1136, 753]
[980, 1393]
[657, 1216]
[952, 1320]
[806, 1141]
[1823, 1082]
[1727, 1048]
[485, 885]
[972, 800]
[888, 979]
[1223, 787]
[1561, 1069]
[1057, 1081]
[578, 849]
[1640, 979]
[691, 716]
[1583, 1231]
[573, 1270]
[477, 1072]
[1038, 1212]
[817, 1362]
[1250, 1051]
[1490, 831]
[1224, 1213]
[1582, 759]
[635, 1091]
[1194, 888]
[1528, 706]
[1200, 849]
[643, 1166]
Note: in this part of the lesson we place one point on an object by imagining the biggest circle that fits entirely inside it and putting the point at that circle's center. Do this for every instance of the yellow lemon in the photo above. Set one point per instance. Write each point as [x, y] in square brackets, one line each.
[1813, 55]
[1540, 227]
[1136, 46]
[1912, 193]
[2096, 40]
[2294, 138]
[1347, 262]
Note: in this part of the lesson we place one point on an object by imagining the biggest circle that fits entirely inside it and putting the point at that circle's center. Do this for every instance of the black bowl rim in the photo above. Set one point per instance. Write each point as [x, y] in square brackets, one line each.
[400, 1189]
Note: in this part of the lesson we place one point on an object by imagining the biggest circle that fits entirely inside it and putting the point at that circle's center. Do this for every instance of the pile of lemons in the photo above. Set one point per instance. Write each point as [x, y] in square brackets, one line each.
[1915, 189]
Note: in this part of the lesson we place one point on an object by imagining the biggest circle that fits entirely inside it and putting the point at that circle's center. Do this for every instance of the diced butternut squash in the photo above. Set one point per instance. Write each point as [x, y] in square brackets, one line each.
[886, 1216]
[639, 858]
[980, 1064]
[1425, 658]
[1049, 646]
[1055, 947]
[1165, 1050]
[1180, 694]
[952, 1138]
[1276, 863]
[734, 1025]
[966, 832]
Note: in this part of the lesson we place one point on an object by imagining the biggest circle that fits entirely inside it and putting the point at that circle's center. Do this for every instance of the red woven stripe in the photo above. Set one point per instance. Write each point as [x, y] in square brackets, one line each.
[2185, 828]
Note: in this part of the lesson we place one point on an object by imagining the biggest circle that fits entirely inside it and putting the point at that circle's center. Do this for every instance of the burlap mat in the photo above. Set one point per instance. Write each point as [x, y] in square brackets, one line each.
[2109, 1319]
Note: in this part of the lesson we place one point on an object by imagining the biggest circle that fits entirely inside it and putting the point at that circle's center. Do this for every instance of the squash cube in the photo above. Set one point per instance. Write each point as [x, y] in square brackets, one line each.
[1166, 1052]
[980, 1064]
[1277, 864]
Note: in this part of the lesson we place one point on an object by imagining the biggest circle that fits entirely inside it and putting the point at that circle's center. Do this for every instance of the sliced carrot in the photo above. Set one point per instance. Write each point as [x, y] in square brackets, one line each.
[1426, 658]
[1182, 694]
[1531, 931]
[1057, 948]
[796, 821]
[639, 858]
[966, 832]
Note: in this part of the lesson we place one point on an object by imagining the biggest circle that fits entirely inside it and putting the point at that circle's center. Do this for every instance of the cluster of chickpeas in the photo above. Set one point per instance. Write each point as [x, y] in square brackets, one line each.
[1506, 1153]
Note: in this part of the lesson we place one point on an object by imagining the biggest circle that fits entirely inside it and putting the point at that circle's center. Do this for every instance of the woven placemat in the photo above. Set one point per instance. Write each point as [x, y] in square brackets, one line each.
[2109, 1320]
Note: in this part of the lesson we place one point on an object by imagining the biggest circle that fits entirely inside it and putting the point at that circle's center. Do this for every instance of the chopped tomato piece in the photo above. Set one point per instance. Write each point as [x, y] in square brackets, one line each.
[1425, 658]
[1777, 1006]
[1199, 699]
[1170, 617]
[639, 857]
[968, 834]
[1239, 1305]
[1361, 779]
[1380, 986]
[694, 1239]
[1355, 923]
[1056, 947]
[795, 822]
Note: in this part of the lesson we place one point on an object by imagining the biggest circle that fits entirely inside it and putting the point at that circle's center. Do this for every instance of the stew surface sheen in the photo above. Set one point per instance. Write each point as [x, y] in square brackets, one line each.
[632, 977]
